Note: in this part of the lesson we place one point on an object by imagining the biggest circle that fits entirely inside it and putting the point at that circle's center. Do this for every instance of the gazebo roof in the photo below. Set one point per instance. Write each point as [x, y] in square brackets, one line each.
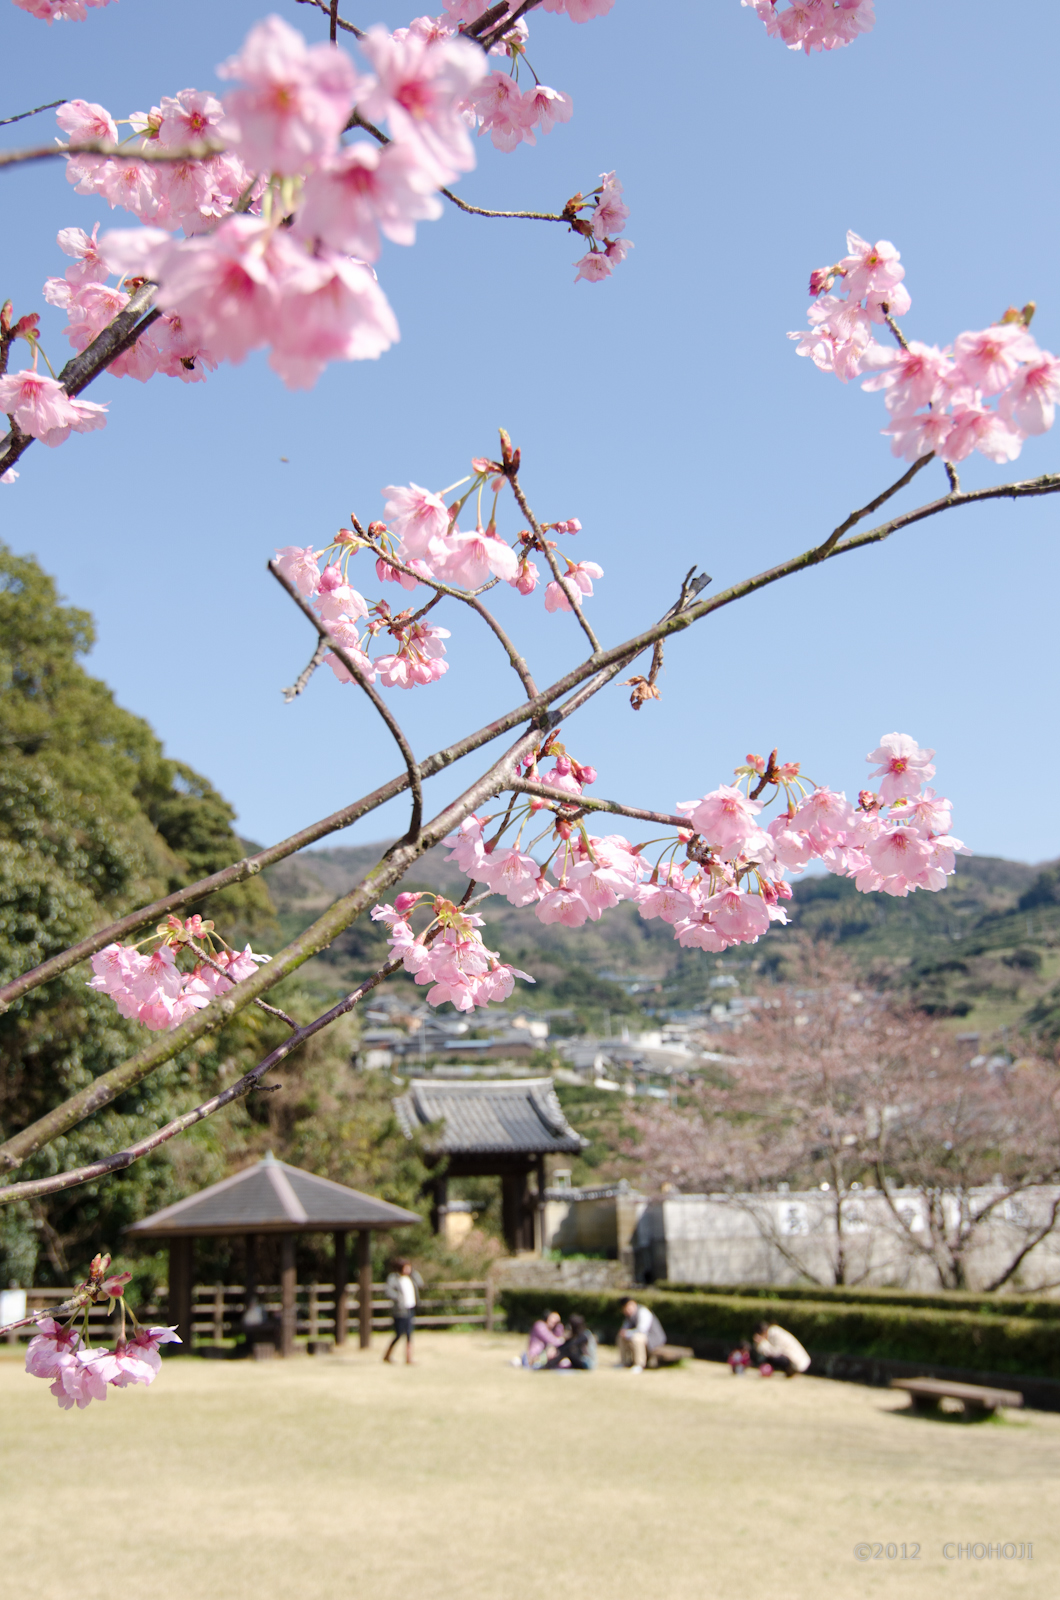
[272, 1197]
[520, 1117]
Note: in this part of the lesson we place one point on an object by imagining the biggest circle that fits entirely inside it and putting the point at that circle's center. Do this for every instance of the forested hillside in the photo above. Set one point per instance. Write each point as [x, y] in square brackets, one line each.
[984, 952]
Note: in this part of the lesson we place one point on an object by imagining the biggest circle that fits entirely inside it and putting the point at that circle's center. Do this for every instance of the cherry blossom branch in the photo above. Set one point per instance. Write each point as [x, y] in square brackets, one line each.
[389, 870]
[331, 11]
[121, 1159]
[510, 464]
[373, 694]
[874, 505]
[613, 661]
[469, 598]
[22, 115]
[482, 24]
[117, 337]
[506, 26]
[273, 1011]
[582, 803]
[200, 151]
[483, 211]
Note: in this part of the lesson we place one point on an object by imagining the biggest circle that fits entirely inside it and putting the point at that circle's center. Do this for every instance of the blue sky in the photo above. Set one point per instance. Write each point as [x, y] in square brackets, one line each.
[664, 408]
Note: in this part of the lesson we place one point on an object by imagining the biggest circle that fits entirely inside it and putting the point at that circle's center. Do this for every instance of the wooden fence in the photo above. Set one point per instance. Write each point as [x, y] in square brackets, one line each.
[218, 1308]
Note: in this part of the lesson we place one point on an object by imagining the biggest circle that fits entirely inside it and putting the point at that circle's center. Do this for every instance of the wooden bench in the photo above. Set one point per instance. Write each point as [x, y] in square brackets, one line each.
[926, 1394]
[668, 1355]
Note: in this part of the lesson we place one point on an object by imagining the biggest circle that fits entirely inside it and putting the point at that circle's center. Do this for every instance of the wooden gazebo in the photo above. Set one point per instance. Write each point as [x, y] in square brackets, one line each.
[273, 1198]
[504, 1129]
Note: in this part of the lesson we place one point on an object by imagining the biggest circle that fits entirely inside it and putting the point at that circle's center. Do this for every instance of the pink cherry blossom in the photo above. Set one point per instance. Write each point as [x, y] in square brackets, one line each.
[511, 873]
[919, 435]
[506, 114]
[419, 89]
[669, 900]
[472, 557]
[345, 635]
[611, 214]
[580, 10]
[85, 1379]
[564, 905]
[363, 192]
[990, 360]
[737, 915]
[86, 122]
[526, 579]
[725, 817]
[296, 102]
[51, 1348]
[910, 378]
[336, 598]
[466, 846]
[547, 106]
[594, 267]
[416, 517]
[50, 11]
[902, 765]
[88, 265]
[977, 427]
[42, 408]
[299, 567]
[225, 286]
[1029, 403]
[579, 577]
[330, 309]
[823, 814]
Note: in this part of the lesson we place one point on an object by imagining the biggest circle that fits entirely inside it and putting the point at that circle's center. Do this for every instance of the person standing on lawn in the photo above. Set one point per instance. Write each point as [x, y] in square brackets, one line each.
[640, 1335]
[403, 1287]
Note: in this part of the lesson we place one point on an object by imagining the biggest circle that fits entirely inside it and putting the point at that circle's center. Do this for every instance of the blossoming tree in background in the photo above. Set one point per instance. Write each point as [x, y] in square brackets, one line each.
[261, 214]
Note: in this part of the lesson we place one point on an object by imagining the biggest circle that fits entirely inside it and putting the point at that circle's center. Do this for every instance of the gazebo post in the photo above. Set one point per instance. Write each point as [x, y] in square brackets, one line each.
[364, 1286]
[181, 1260]
[340, 1286]
[288, 1285]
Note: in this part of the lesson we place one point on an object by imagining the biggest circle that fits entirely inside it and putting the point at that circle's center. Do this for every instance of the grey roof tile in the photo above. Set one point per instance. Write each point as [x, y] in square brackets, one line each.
[272, 1197]
[523, 1117]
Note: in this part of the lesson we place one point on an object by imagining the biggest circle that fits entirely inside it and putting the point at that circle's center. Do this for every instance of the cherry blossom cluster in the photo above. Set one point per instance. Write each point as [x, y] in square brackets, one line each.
[815, 24]
[420, 542]
[267, 236]
[449, 954]
[79, 1374]
[988, 392]
[154, 988]
[50, 11]
[730, 885]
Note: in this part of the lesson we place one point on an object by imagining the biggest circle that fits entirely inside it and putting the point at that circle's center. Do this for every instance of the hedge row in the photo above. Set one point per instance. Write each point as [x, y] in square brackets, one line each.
[948, 1300]
[956, 1339]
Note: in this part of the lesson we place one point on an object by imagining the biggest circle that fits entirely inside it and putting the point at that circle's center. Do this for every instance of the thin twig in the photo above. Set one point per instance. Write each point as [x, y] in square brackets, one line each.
[374, 696]
[483, 211]
[307, 672]
[569, 587]
[22, 115]
[874, 505]
[332, 12]
[581, 802]
[273, 1011]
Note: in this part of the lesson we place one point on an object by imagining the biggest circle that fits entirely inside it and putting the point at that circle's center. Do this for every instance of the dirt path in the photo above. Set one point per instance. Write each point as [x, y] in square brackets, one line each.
[462, 1477]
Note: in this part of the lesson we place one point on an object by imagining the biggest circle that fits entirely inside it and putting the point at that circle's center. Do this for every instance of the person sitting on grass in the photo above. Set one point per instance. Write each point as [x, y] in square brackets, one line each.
[740, 1359]
[403, 1288]
[640, 1335]
[546, 1336]
[577, 1353]
[778, 1351]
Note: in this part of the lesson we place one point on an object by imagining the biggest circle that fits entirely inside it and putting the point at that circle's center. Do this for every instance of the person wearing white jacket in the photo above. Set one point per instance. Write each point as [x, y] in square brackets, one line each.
[779, 1349]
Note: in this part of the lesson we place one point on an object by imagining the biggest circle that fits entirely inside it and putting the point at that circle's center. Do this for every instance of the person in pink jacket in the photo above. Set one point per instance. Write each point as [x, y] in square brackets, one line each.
[546, 1335]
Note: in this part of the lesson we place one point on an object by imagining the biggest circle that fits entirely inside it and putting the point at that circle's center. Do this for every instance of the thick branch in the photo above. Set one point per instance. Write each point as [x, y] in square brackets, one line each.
[505, 27]
[373, 694]
[613, 660]
[33, 1190]
[117, 337]
[581, 802]
[388, 871]
[200, 151]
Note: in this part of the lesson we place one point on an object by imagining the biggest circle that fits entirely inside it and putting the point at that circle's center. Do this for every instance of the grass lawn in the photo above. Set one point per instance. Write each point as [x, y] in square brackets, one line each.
[462, 1477]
